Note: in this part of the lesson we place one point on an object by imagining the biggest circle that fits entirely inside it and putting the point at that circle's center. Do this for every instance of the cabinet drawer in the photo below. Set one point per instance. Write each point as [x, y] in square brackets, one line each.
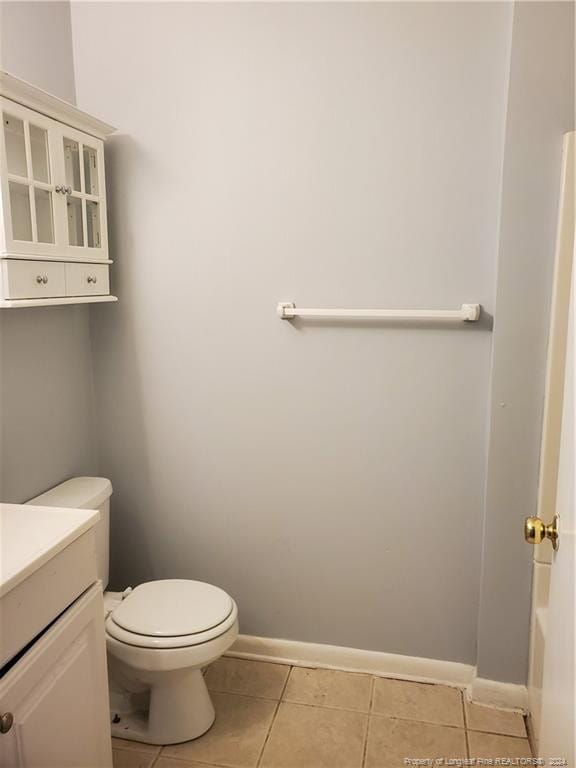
[87, 280]
[35, 602]
[32, 279]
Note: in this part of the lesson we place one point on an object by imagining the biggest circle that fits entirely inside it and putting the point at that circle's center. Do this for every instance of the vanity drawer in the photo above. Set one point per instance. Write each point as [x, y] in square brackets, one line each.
[87, 279]
[29, 608]
[32, 279]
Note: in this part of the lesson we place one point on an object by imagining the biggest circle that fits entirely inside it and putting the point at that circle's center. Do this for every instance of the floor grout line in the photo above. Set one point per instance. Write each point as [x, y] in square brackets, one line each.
[497, 733]
[416, 720]
[372, 695]
[465, 721]
[188, 761]
[366, 735]
[297, 703]
[248, 695]
[197, 764]
[138, 751]
[269, 731]
[244, 695]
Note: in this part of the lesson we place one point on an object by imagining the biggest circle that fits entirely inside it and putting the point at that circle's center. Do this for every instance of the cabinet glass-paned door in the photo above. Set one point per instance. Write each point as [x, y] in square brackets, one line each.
[29, 165]
[83, 168]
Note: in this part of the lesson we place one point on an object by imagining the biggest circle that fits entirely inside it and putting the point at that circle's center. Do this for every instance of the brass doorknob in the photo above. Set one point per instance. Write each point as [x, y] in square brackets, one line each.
[6, 721]
[535, 531]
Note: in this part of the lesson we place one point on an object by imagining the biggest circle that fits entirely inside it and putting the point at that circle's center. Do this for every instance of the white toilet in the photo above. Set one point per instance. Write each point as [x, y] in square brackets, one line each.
[159, 636]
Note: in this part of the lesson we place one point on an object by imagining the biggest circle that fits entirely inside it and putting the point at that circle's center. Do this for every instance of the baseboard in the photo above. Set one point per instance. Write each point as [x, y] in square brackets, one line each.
[497, 694]
[352, 660]
[490, 692]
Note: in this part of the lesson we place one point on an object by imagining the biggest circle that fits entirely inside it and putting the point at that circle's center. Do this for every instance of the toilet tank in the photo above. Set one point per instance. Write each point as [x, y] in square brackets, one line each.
[85, 493]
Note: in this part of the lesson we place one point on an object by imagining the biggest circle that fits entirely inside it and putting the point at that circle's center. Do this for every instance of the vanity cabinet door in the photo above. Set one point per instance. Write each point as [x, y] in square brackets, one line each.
[57, 694]
[29, 177]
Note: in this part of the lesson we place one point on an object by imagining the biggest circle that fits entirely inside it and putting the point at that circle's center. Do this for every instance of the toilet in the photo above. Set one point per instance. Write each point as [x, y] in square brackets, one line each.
[159, 637]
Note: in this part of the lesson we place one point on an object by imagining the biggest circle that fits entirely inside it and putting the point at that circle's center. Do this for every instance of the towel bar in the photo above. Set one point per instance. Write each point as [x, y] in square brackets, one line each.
[287, 310]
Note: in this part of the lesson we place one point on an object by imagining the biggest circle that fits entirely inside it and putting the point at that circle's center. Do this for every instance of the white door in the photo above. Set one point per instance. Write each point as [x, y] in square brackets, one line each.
[558, 729]
[557, 717]
[57, 695]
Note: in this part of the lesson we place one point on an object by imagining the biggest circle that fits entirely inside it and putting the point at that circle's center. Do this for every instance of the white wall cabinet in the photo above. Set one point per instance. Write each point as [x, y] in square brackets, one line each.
[52, 199]
[57, 696]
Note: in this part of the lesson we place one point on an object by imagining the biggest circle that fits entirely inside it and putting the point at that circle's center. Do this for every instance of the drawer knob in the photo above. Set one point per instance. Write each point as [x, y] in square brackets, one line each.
[6, 721]
[92, 279]
[42, 279]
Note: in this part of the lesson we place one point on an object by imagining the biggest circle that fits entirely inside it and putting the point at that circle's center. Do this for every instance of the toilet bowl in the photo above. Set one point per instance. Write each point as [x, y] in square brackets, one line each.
[159, 637]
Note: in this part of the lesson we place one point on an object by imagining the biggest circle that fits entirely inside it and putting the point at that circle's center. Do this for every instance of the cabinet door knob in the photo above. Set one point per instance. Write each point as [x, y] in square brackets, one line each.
[42, 279]
[58, 188]
[6, 721]
[92, 279]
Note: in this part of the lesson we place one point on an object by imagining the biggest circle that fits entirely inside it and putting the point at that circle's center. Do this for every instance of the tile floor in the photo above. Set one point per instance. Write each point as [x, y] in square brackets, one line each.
[275, 716]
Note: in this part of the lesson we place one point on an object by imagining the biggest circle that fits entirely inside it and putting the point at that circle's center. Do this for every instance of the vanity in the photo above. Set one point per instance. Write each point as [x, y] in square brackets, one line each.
[54, 709]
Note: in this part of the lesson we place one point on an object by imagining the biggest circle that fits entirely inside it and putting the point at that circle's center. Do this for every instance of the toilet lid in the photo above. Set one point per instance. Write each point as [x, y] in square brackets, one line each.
[172, 607]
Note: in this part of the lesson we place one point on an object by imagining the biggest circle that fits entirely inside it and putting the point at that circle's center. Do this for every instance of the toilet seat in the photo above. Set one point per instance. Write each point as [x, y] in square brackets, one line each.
[172, 613]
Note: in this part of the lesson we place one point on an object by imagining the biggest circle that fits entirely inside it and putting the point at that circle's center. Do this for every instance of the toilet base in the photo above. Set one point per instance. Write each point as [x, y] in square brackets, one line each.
[178, 709]
[158, 695]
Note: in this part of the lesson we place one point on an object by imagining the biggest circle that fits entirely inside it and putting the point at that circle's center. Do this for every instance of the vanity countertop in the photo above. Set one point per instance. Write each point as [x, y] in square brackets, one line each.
[30, 536]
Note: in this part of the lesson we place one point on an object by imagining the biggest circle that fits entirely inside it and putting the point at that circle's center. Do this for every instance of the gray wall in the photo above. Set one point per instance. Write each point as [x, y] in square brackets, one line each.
[36, 44]
[330, 477]
[540, 110]
[45, 365]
